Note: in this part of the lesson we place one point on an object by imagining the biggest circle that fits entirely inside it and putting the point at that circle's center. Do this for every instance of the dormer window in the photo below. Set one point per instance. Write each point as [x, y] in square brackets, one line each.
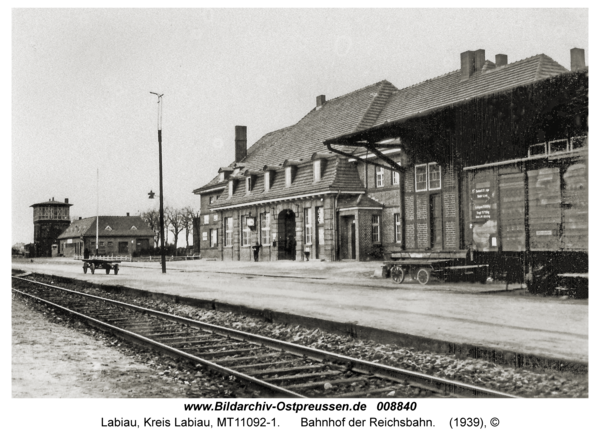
[248, 185]
[288, 176]
[231, 188]
[267, 181]
[221, 176]
[133, 228]
[317, 170]
[108, 228]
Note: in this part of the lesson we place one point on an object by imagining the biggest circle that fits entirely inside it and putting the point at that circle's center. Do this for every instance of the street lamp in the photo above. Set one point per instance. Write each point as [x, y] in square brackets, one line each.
[162, 217]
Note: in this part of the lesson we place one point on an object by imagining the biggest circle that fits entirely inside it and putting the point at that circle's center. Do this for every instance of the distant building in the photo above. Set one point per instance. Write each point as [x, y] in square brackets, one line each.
[50, 219]
[117, 235]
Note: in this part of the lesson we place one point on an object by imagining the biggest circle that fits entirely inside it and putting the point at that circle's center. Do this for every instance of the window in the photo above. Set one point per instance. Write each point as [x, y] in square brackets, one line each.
[579, 143]
[108, 228]
[317, 170]
[110, 243]
[215, 217]
[307, 226]
[379, 176]
[214, 233]
[133, 227]
[221, 176]
[206, 219]
[265, 224]
[396, 176]
[245, 232]
[558, 146]
[375, 228]
[267, 181]
[320, 218]
[288, 176]
[398, 228]
[428, 177]
[435, 176]
[102, 243]
[211, 199]
[248, 185]
[230, 189]
[421, 177]
[229, 231]
[204, 235]
[537, 149]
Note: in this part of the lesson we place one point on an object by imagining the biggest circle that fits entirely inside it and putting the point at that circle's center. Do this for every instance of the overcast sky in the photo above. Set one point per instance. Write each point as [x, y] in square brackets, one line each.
[81, 82]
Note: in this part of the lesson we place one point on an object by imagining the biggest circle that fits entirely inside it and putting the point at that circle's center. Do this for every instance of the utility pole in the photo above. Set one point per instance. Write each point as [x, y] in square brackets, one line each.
[162, 217]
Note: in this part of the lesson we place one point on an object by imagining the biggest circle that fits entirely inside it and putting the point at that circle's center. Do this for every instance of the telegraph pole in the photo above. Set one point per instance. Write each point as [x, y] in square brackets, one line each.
[162, 217]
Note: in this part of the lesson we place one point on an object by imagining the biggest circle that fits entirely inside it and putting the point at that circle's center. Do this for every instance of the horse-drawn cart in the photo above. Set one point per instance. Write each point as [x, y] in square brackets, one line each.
[93, 264]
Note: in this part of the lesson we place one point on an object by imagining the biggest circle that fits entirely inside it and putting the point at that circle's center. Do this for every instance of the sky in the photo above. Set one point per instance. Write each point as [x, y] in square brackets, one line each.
[81, 83]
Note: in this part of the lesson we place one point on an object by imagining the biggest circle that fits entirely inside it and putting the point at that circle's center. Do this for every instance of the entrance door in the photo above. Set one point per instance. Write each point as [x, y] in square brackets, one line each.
[286, 241]
[353, 239]
[435, 220]
[122, 247]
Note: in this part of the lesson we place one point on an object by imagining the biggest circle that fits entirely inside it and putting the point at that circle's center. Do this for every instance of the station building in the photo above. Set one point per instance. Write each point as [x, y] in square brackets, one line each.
[117, 236]
[313, 190]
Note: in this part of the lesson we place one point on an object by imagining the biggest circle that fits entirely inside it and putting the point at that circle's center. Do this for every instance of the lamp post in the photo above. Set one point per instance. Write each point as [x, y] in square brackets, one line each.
[162, 217]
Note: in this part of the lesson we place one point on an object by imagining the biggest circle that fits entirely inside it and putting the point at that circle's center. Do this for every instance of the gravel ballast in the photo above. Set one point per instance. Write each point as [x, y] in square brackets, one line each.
[521, 382]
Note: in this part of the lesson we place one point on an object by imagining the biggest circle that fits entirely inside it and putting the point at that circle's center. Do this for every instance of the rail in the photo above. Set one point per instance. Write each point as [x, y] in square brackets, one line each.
[291, 370]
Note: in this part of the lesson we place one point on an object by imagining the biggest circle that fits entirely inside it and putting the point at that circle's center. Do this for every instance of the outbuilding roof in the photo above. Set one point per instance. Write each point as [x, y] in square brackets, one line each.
[109, 226]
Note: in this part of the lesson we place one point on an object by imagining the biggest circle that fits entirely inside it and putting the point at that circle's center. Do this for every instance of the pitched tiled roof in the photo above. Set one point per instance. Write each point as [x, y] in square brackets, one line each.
[449, 89]
[343, 114]
[120, 227]
[337, 174]
[362, 201]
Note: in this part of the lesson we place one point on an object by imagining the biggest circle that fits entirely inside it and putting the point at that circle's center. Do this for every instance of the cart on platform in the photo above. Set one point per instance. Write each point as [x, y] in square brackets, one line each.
[93, 264]
[424, 270]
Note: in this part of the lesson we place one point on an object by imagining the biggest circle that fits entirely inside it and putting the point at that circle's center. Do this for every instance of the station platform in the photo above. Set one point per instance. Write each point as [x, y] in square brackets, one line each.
[485, 316]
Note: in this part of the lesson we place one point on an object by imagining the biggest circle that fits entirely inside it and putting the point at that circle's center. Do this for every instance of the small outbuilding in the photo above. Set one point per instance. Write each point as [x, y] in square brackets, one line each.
[117, 236]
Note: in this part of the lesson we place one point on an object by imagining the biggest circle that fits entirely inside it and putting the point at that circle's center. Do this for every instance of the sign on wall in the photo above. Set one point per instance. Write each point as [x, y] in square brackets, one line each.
[482, 201]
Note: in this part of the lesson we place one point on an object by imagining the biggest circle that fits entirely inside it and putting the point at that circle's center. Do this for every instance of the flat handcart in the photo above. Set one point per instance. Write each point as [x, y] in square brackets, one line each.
[93, 264]
[424, 270]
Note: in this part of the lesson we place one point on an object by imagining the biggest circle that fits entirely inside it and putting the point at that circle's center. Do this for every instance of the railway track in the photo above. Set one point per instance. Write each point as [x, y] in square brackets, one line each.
[278, 368]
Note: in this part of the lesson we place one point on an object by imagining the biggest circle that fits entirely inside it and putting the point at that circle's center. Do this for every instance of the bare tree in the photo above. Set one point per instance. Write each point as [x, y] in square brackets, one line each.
[152, 218]
[175, 222]
[189, 215]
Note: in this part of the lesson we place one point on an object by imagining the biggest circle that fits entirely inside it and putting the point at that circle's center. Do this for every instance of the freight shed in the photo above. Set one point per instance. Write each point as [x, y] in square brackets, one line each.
[498, 178]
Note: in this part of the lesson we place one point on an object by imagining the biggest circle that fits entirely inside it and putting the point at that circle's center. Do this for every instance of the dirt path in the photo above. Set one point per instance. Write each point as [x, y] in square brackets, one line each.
[51, 360]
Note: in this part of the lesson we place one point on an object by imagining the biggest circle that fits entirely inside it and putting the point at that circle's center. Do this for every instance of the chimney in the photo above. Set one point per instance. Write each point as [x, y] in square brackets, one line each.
[501, 60]
[470, 62]
[577, 59]
[66, 200]
[53, 198]
[127, 214]
[321, 100]
[240, 143]
[80, 217]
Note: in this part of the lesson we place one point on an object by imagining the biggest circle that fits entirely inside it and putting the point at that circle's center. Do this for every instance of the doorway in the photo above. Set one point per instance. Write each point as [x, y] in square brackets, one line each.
[348, 238]
[286, 240]
[435, 221]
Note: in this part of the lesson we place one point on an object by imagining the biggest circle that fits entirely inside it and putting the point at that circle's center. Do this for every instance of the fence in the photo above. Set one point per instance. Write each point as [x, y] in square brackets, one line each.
[122, 258]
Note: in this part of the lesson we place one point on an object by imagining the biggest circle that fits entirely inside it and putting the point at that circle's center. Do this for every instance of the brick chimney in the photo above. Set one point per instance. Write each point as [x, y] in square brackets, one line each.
[470, 62]
[128, 214]
[321, 100]
[240, 143]
[577, 59]
[501, 60]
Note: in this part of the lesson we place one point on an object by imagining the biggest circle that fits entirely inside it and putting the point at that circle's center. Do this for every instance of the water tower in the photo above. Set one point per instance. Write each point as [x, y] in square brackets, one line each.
[50, 219]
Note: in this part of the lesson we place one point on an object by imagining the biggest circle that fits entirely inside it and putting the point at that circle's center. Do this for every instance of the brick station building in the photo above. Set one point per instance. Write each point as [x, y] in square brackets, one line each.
[295, 197]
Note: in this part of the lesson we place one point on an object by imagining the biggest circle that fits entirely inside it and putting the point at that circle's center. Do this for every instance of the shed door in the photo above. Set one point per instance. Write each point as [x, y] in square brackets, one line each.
[544, 209]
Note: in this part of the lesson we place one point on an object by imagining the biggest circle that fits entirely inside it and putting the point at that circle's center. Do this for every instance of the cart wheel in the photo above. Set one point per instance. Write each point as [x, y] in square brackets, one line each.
[116, 269]
[107, 271]
[424, 275]
[92, 268]
[398, 274]
[85, 268]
